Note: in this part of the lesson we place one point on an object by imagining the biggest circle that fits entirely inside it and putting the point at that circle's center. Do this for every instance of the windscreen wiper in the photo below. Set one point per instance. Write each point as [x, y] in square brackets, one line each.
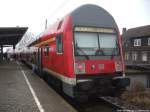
[77, 47]
[98, 51]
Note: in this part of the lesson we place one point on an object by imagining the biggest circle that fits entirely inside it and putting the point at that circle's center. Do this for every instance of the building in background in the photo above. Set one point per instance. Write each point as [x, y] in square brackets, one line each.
[136, 45]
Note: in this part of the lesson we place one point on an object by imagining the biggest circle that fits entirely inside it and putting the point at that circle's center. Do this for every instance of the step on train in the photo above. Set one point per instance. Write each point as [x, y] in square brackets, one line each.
[81, 54]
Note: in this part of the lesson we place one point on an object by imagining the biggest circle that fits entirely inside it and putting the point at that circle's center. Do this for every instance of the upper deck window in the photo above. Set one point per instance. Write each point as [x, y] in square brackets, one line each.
[137, 42]
[94, 43]
[86, 43]
[108, 44]
[59, 43]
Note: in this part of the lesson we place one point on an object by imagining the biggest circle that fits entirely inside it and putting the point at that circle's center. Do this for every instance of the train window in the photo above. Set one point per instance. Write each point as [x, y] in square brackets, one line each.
[109, 44]
[87, 43]
[46, 50]
[59, 44]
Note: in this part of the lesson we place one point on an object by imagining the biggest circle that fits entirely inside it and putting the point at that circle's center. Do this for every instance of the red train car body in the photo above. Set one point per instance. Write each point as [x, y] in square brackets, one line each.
[82, 53]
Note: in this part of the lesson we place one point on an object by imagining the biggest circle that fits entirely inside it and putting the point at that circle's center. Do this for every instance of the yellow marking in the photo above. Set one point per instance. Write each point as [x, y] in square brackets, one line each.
[92, 29]
[45, 42]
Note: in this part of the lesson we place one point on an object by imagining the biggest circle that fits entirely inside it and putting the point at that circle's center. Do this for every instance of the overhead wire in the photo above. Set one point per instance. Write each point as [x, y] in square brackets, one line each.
[60, 7]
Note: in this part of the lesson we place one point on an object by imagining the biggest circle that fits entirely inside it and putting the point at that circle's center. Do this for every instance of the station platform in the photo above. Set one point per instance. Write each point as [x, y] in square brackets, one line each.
[23, 91]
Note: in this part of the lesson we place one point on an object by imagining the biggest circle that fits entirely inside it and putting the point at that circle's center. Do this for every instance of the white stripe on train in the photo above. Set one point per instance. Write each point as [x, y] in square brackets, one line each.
[71, 81]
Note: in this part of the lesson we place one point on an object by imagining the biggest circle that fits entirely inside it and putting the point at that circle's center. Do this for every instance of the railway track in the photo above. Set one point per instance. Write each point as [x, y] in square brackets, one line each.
[94, 105]
[102, 104]
[114, 103]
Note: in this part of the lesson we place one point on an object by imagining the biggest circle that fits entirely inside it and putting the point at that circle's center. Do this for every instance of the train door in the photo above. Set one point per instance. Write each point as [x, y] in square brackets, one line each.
[39, 59]
[59, 63]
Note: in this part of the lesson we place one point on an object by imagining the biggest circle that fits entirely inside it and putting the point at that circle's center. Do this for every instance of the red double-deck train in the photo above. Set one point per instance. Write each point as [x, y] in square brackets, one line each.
[81, 54]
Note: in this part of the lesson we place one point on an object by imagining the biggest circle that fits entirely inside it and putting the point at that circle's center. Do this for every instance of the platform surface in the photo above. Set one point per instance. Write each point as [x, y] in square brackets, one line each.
[17, 96]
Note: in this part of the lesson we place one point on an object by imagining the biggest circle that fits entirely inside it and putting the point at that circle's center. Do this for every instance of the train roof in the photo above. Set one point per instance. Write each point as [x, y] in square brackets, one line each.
[87, 15]
[92, 15]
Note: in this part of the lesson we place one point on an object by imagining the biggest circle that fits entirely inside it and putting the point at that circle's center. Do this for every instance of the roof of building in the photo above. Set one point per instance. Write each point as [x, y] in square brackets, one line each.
[141, 31]
[11, 35]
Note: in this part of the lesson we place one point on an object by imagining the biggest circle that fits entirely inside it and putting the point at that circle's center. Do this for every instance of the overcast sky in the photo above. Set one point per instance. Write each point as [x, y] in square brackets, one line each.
[33, 13]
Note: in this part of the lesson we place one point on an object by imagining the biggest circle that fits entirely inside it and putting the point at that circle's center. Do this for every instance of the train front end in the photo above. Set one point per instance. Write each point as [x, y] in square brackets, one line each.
[98, 62]
[98, 57]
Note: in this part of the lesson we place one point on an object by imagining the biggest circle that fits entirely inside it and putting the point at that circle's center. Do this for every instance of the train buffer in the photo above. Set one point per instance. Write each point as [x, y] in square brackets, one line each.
[23, 91]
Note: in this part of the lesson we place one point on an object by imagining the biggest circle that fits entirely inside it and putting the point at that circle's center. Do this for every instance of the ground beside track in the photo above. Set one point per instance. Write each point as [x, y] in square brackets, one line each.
[15, 95]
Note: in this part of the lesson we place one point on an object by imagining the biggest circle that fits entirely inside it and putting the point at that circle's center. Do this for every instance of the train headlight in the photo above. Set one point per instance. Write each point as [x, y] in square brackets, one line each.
[118, 66]
[79, 68]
